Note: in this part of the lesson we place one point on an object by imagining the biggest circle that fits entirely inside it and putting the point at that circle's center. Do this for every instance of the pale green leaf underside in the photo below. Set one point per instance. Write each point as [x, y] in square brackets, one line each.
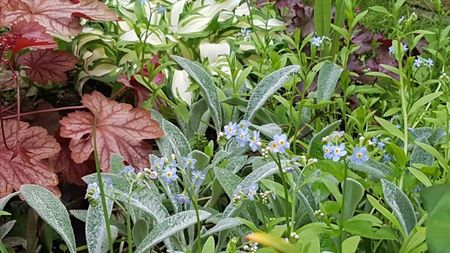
[52, 211]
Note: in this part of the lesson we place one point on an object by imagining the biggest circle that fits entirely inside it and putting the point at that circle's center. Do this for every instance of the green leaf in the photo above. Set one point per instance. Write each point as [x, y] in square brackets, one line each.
[197, 111]
[222, 225]
[4, 200]
[207, 87]
[5, 228]
[421, 177]
[400, 204]
[266, 88]
[423, 101]
[96, 236]
[227, 180]
[173, 141]
[350, 245]
[146, 200]
[353, 193]
[372, 168]
[273, 242]
[209, 246]
[170, 226]
[269, 130]
[117, 164]
[51, 210]
[398, 153]
[381, 9]
[252, 178]
[390, 128]
[140, 230]
[385, 212]
[432, 195]
[328, 77]
[437, 226]
[315, 145]
[433, 152]
[322, 17]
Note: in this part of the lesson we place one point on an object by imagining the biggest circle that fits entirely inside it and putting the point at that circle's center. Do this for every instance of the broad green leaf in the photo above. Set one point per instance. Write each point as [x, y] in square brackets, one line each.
[328, 77]
[269, 130]
[372, 168]
[350, 245]
[209, 246]
[322, 17]
[4, 200]
[227, 180]
[438, 219]
[423, 101]
[222, 225]
[207, 87]
[170, 226]
[266, 88]
[140, 230]
[400, 204]
[353, 193]
[390, 128]
[398, 154]
[366, 229]
[415, 243]
[51, 210]
[315, 145]
[433, 152]
[432, 195]
[96, 236]
[202, 159]
[273, 242]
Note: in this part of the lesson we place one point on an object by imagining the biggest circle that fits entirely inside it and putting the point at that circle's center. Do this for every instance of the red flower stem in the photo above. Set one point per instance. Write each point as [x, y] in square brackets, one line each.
[76, 107]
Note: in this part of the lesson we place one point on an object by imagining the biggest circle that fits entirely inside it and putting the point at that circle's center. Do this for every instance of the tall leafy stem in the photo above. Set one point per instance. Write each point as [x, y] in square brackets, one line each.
[101, 186]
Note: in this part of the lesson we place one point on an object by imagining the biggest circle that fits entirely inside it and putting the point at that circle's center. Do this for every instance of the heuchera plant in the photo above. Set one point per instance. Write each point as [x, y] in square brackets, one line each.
[29, 154]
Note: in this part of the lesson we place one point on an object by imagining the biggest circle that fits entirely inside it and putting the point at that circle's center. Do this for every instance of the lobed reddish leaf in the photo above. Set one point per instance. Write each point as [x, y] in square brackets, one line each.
[47, 65]
[120, 129]
[69, 170]
[28, 165]
[26, 34]
[57, 16]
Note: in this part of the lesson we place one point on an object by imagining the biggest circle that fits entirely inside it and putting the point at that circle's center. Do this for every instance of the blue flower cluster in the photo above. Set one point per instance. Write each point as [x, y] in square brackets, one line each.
[334, 149]
[420, 61]
[243, 135]
[169, 169]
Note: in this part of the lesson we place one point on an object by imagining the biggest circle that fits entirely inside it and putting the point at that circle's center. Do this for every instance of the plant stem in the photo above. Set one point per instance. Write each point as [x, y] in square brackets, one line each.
[341, 222]
[101, 186]
[77, 107]
[199, 224]
[286, 192]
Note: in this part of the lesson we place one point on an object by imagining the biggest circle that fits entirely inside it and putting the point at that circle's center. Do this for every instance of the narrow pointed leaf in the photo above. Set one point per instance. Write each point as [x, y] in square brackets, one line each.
[267, 87]
[96, 237]
[222, 225]
[207, 87]
[169, 227]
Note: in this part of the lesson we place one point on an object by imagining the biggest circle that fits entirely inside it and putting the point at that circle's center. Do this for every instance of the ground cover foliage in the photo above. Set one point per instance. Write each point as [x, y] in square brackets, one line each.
[224, 126]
